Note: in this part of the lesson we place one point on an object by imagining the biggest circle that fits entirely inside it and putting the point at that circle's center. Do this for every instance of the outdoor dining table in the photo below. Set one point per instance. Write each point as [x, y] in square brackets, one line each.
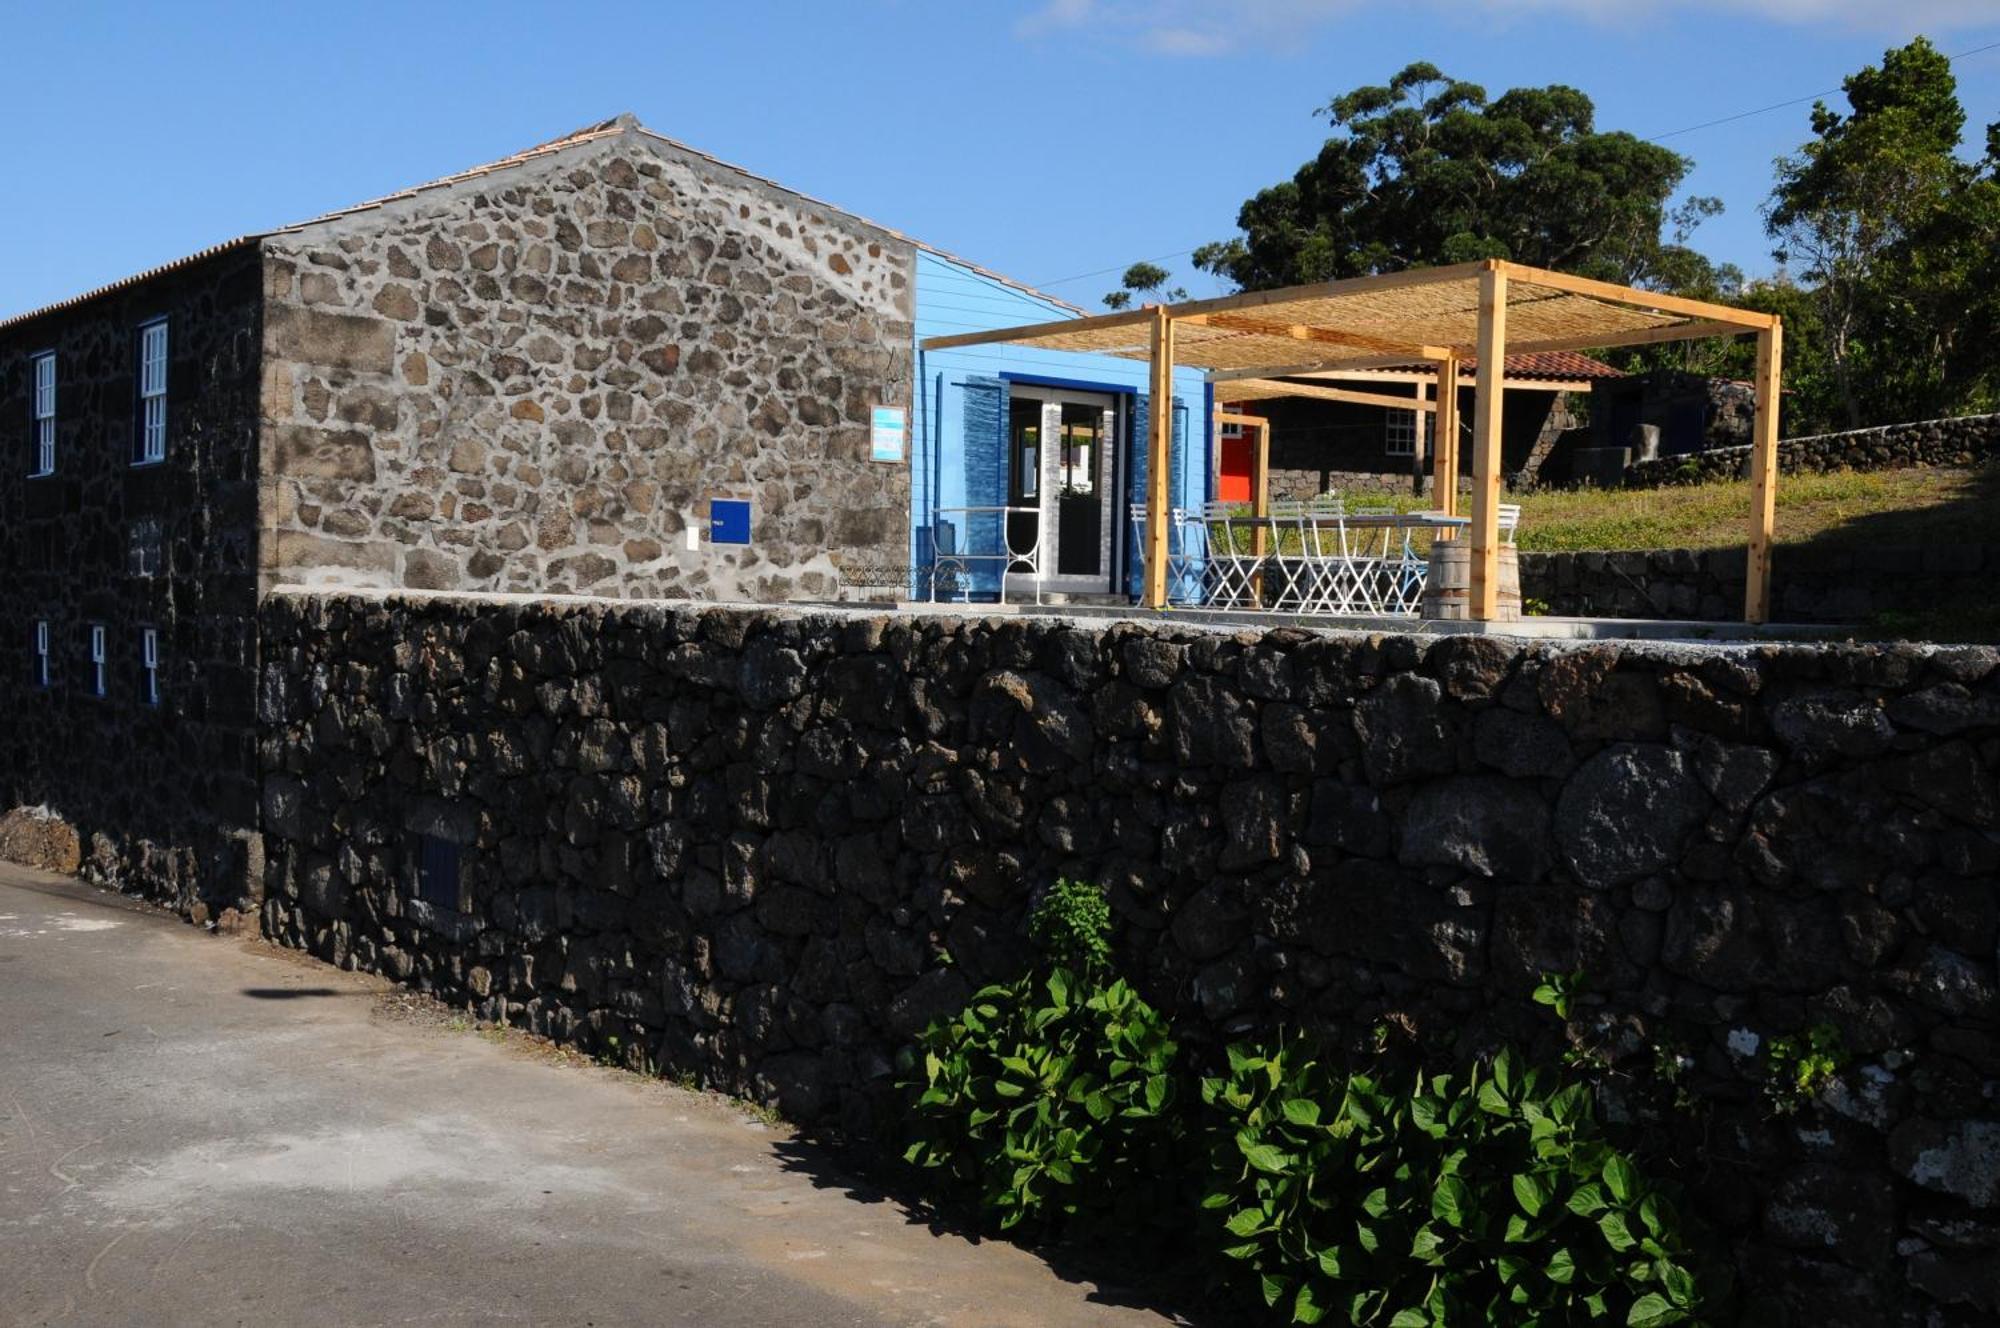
[1346, 562]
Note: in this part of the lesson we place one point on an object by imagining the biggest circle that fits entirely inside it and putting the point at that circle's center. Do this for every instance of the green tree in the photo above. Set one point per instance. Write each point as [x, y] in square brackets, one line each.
[1147, 280]
[1894, 235]
[1427, 170]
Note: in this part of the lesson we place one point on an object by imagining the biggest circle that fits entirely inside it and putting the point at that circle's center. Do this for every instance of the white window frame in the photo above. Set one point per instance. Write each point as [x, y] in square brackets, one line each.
[152, 423]
[42, 410]
[42, 653]
[149, 665]
[98, 678]
[1399, 432]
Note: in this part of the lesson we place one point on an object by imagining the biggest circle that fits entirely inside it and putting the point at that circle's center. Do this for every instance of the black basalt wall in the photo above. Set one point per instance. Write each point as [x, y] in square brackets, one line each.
[766, 847]
[163, 794]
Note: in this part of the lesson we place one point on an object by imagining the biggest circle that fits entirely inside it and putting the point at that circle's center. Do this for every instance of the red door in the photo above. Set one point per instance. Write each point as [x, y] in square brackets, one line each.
[1232, 484]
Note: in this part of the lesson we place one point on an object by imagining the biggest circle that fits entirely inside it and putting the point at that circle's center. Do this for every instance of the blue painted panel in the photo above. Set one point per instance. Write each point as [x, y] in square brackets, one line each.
[728, 521]
[955, 467]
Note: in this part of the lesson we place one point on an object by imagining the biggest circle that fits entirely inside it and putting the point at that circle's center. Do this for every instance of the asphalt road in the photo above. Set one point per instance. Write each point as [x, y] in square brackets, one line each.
[200, 1130]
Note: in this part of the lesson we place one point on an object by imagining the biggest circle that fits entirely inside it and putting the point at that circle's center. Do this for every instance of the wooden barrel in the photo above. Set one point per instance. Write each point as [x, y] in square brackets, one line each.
[1448, 587]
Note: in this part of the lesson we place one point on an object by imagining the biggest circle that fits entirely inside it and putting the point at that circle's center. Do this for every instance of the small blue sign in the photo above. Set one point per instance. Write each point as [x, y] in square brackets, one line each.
[728, 521]
[886, 427]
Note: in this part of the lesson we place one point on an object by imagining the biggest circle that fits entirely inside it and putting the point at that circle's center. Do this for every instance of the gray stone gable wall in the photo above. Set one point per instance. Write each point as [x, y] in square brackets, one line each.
[765, 847]
[536, 380]
[163, 797]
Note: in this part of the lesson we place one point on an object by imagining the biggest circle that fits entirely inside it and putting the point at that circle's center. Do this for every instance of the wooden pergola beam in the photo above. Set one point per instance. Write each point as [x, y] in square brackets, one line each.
[1764, 474]
[1486, 420]
[1316, 393]
[1444, 442]
[1325, 366]
[1028, 331]
[1159, 445]
[1632, 298]
[1646, 336]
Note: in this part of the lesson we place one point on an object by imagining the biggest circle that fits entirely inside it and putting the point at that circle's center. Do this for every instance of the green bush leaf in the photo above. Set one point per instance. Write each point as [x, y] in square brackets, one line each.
[1616, 1233]
[1449, 1200]
[1588, 1201]
[1621, 1177]
[1532, 1193]
[1264, 1157]
[1248, 1222]
[1302, 1111]
[1652, 1310]
[1306, 1307]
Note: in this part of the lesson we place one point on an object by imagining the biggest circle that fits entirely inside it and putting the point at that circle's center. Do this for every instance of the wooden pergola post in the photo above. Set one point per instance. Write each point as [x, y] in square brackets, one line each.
[1486, 420]
[1764, 474]
[1444, 441]
[1159, 459]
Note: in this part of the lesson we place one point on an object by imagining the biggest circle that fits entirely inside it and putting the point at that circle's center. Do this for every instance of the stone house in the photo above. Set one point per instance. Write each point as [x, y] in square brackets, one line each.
[608, 365]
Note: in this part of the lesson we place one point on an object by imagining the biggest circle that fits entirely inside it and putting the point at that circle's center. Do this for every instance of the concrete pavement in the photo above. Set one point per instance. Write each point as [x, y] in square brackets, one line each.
[199, 1130]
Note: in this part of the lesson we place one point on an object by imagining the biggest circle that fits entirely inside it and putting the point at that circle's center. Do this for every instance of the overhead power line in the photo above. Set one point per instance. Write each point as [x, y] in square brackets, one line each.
[1671, 133]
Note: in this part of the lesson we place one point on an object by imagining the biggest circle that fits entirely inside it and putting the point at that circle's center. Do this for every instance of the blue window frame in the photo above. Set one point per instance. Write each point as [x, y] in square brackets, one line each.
[41, 664]
[149, 665]
[98, 676]
[42, 409]
[152, 424]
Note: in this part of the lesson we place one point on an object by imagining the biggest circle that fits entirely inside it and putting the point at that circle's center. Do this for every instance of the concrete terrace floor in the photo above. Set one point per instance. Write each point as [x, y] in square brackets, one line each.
[203, 1130]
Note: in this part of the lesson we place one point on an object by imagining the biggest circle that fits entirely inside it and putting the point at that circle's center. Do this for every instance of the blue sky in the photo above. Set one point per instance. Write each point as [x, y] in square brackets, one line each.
[1043, 139]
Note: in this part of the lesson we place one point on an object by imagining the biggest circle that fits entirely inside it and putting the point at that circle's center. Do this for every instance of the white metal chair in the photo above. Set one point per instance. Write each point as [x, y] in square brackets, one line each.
[1186, 552]
[1509, 521]
[1337, 583]
[1233, 564]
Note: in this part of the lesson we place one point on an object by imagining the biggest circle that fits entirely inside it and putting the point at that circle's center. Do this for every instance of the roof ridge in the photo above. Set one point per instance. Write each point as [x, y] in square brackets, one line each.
[625, 122]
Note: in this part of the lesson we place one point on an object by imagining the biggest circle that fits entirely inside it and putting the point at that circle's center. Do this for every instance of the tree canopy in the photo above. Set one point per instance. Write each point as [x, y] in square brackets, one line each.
[1897, 239]
[1427, 169]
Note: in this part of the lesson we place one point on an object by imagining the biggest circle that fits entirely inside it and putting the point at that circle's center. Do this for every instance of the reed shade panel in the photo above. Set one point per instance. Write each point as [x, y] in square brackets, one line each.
[1443, 313]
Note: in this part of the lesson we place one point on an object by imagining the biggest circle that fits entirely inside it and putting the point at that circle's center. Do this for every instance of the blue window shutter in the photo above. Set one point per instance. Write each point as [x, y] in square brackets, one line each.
[987, 401]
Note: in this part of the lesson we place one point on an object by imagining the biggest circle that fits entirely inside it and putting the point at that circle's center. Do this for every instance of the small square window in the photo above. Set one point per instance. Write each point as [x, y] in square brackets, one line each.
[438, 873]
[41, 663]
[152, 432]
[1401, 434]
[43, 412]
[149, 665]
[97, 662]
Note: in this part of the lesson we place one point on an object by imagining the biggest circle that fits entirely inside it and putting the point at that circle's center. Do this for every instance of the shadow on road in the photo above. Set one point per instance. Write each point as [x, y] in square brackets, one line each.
[293, 993]
[1125, 1278]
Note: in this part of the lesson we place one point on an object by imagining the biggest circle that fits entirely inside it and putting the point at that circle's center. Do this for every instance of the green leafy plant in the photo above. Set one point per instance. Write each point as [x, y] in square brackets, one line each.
[1491, 1198]
[1053, 1098]
[1799, 1068]
[1560, 991]
[1072, 927]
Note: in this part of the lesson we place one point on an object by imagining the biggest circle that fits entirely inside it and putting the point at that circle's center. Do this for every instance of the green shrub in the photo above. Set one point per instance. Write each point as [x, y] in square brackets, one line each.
[1052, 1097]
[1487, 1199]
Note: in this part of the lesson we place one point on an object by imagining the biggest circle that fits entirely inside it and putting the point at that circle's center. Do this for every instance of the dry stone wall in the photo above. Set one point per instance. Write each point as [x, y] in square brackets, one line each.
[1966, 441]
[1809, 583]
[538, 378]
[766, 847]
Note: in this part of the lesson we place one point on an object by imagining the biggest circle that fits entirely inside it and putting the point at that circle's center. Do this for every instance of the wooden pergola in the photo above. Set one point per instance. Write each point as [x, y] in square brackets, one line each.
[1435, 317]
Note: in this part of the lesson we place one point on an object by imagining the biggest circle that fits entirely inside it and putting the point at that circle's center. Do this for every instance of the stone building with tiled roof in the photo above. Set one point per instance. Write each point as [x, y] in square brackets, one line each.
[608, 365]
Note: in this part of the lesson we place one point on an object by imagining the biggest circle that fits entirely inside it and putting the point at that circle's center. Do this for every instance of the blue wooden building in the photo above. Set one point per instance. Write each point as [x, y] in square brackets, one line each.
[1059, 432]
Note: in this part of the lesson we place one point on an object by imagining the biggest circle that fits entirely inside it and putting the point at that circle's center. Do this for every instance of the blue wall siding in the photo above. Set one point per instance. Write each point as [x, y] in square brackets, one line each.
[954, 298]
